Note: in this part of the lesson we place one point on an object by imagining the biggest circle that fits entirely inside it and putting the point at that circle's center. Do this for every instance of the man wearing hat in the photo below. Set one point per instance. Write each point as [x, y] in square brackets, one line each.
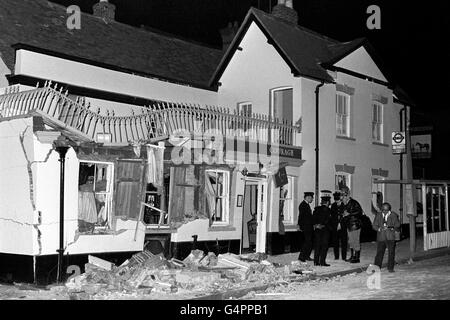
[321, 224]
[353, 217]
[338, 233]
[305, 225]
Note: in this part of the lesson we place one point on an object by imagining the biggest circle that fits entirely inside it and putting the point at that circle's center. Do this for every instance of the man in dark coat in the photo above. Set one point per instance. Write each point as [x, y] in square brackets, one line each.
[353, 215]
[338, 228]
[386, 223]
[322, 226]
[305, 225]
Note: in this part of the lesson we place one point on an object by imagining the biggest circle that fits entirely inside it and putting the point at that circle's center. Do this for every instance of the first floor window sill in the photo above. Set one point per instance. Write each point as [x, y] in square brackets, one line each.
[376, 143]
[345, 138]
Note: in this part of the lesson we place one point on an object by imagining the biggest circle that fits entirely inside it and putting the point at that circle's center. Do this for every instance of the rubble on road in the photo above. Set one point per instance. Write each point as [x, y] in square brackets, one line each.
[145, 274]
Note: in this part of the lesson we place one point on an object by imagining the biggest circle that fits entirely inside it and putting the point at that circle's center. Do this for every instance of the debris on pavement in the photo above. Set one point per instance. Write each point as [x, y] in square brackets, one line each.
[201, 274]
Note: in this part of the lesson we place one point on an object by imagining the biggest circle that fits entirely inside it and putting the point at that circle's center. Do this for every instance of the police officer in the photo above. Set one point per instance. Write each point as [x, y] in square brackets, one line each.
[338, 228]
[322, 226]
[305, 226]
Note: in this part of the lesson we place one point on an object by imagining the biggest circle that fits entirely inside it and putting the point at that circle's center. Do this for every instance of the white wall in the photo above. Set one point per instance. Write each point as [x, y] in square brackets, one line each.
[360, 61]
[17, 233]
[19, 223]
[3, 72]
[361, 152]
[84, 75]
[253, 72]
[48, 204]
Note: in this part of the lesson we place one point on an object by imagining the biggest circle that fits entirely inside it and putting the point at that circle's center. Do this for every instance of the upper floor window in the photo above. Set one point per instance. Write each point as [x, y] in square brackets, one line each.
[245, 109]
[377, 122]
[342, 114]
[281, 109]
[282, 104]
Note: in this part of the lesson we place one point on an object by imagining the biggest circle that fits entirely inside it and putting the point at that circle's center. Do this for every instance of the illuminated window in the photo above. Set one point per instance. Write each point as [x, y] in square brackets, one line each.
[342, 114]
[377, 122]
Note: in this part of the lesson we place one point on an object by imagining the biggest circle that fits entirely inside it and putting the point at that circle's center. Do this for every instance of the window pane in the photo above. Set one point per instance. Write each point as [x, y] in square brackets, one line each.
[283, 104]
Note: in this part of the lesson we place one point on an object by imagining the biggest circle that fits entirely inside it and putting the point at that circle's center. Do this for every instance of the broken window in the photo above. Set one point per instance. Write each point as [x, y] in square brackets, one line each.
[157, 197]
[95, 196]
[217, 195]
[287, 201]
[130, 175]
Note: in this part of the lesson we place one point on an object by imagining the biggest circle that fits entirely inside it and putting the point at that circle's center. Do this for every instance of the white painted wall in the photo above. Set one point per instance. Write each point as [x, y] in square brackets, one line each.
[48, 204]
[17, 234]
[17, 218]
[84, 75]
[253, 72]
[361, 152]
[360, 61]
[3, 72]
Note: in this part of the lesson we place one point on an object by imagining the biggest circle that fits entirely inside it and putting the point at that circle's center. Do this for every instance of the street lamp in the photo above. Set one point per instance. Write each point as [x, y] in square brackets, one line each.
[61, 145]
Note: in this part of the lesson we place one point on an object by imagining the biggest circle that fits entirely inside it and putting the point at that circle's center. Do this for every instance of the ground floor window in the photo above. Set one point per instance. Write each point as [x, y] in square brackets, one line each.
[287, 201]
[217, 186]
[95, 196]
[342, 179]
[377, 195]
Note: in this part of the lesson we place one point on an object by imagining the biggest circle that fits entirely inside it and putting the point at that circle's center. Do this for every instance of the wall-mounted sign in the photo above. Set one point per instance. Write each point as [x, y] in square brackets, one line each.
[421, 146]
[398, 142]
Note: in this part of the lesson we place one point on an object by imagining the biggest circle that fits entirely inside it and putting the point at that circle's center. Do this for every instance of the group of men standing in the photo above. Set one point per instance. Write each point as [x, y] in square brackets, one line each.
[341, 222]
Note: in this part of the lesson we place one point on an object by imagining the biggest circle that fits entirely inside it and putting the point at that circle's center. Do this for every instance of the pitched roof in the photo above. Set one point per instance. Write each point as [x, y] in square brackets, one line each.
[306, 52]
[42, 24]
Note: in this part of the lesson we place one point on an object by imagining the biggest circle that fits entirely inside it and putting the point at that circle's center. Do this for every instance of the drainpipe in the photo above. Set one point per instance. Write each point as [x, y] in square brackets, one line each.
[402, 110]
[61, 147]
[317, 144]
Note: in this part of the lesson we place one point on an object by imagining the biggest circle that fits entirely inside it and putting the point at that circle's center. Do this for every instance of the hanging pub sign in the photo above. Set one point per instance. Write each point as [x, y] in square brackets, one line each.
[281, 178]
[398, 142]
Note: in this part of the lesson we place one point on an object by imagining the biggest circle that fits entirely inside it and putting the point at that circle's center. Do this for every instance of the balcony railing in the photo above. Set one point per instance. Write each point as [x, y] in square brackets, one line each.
[158, 119]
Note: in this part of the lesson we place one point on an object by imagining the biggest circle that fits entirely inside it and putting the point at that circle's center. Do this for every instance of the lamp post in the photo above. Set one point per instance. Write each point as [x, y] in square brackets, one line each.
[61, 145]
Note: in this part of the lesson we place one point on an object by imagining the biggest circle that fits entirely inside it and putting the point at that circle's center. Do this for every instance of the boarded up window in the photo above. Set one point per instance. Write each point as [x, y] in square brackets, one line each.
[129, 188]
[184, 193]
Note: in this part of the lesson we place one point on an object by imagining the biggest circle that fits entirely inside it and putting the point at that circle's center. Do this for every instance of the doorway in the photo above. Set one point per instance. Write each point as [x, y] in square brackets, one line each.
[255, 216]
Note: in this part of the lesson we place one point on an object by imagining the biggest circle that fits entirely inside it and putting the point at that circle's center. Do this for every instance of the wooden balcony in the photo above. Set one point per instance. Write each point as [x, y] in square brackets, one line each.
[157, 120]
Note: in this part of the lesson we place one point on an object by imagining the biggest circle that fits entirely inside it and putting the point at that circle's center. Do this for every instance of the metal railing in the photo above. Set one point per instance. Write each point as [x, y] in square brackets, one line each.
[158, 119]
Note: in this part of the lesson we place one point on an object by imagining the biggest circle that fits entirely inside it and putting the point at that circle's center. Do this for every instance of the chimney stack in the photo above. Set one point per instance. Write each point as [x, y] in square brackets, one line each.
[284, 10]
[104, 10]
[228, 34]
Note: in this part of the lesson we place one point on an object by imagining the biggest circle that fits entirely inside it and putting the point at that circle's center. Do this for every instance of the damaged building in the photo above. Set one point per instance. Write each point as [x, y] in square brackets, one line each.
[172, 144]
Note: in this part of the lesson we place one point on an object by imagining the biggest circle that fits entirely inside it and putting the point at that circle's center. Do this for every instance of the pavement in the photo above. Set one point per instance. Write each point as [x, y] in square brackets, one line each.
[339, 268]
[368, 252]
[427, 279]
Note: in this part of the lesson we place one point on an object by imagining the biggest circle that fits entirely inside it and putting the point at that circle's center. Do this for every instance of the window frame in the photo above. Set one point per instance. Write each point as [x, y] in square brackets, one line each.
[341, 173]
[347, 99]
[383, 189]
[291, 183]
[225, 217]
[272, 99]
[380, 123]
[109, 195]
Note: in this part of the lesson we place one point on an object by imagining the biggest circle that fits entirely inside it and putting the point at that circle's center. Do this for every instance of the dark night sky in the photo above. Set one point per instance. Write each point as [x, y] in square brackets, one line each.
[412, 41]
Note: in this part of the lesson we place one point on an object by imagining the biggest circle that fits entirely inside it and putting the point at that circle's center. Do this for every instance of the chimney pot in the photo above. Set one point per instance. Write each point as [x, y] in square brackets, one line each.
[284, 10]
[228, 33]
[104, 10]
